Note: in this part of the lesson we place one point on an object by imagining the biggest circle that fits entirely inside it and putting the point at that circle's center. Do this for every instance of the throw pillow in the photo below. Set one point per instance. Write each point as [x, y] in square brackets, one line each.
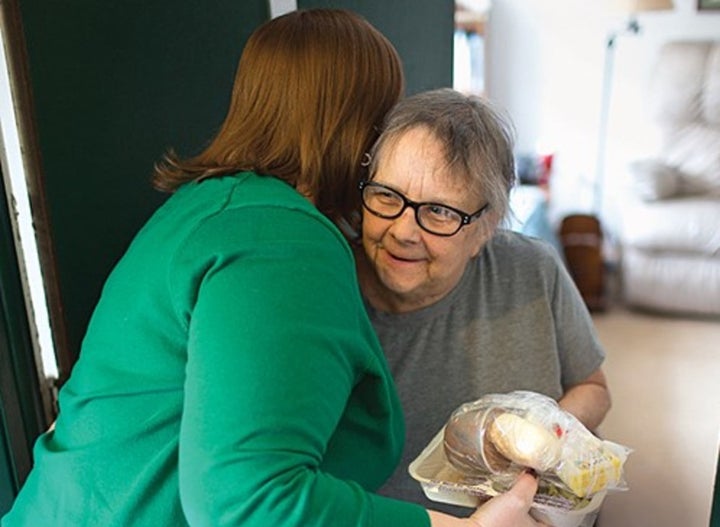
[653, 180]
[695, 151]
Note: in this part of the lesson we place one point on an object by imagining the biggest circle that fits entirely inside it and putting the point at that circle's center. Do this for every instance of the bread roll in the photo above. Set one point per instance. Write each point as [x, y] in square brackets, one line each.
[524, 442]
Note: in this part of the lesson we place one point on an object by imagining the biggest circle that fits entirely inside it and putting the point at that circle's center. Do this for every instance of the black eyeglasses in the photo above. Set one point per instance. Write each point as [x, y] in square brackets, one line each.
[435, 218]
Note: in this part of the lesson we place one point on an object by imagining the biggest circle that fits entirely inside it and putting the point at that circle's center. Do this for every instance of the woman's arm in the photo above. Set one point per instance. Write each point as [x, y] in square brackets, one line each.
[286, 417]
[588, 400]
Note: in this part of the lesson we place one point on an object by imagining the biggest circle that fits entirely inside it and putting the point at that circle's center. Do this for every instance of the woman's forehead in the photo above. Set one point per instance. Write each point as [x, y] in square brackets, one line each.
[416, 158]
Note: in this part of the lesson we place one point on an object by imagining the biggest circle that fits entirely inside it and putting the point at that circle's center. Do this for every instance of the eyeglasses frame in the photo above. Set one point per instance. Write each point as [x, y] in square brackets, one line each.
[465, 218]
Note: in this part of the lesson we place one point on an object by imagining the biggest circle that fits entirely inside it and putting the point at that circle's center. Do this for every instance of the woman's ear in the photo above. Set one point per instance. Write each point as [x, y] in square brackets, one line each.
[484, 229]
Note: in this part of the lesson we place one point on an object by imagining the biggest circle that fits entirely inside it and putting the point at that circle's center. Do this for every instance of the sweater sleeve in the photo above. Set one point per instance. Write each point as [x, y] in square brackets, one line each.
[275, 354]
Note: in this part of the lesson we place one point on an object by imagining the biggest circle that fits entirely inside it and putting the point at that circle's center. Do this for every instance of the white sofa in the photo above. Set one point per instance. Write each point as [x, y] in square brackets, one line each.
[670, 231]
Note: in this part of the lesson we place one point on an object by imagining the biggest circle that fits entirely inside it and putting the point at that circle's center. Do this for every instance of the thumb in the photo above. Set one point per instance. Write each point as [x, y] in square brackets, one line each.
[524, 489]
[511, 508]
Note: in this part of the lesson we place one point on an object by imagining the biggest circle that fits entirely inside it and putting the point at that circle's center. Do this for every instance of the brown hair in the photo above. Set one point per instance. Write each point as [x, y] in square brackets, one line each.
[311, 88]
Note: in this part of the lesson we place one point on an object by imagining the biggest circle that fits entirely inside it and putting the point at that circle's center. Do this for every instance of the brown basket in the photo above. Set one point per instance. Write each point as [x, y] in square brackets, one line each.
[582, 239]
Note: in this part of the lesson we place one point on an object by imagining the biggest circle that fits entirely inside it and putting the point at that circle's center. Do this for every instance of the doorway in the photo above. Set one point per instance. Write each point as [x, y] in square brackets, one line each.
[469, 45]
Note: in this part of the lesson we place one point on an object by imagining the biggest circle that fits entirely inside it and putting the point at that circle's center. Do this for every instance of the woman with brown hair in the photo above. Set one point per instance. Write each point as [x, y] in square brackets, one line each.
[229, 374]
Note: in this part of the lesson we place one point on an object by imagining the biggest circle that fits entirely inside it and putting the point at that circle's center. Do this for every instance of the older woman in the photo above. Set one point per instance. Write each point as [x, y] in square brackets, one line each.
[462, 307]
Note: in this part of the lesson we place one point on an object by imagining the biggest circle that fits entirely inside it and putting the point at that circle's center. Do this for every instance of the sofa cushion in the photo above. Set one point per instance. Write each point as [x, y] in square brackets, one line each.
[685, 85]
[673, 282]
[678, 81]
[687, 224]
[684, 99]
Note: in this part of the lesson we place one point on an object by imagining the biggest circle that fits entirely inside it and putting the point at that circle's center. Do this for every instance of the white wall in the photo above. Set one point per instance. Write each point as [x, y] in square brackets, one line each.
[545, 62]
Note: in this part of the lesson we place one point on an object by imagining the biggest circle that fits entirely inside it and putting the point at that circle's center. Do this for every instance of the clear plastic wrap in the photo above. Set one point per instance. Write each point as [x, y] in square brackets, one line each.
[502, 434]
[485, 444]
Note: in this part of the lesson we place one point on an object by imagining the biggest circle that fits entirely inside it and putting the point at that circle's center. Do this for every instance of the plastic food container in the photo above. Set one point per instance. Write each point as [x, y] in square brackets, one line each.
[441, 482]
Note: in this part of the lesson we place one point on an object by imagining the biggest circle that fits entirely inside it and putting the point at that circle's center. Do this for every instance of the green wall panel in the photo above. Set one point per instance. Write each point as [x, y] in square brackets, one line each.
[421, 30]
[114, 84]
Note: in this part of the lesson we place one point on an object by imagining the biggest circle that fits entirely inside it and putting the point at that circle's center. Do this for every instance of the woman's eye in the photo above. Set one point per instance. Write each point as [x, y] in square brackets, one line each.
[386, 196]
[440, 213]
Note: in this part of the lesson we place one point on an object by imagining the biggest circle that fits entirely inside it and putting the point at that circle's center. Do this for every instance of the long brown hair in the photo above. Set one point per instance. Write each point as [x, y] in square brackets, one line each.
[311, 88]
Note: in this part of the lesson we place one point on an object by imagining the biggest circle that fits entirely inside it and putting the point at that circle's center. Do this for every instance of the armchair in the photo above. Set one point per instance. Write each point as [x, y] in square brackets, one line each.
[670, 229]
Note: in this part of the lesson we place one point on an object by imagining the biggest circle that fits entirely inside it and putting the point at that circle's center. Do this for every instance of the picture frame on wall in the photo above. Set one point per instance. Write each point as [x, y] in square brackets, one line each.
[708, 5]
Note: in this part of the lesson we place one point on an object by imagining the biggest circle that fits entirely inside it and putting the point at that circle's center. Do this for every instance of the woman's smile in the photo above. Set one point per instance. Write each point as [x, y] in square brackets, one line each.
[402, 258]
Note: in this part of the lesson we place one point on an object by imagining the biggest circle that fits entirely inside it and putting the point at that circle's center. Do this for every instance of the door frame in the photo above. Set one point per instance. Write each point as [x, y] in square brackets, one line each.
[13, 40]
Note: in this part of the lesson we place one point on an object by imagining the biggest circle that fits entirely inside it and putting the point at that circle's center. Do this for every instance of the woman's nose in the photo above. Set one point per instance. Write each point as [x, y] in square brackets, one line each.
[405, 226]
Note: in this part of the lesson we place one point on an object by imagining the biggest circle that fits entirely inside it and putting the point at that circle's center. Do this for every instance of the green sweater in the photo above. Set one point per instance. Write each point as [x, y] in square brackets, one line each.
[229, 376]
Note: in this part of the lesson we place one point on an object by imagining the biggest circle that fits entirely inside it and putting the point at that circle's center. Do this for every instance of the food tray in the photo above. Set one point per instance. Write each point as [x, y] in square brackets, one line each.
[441, 482]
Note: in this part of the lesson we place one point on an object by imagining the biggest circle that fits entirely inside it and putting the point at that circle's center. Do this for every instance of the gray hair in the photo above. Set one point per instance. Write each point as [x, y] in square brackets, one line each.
[478, 140]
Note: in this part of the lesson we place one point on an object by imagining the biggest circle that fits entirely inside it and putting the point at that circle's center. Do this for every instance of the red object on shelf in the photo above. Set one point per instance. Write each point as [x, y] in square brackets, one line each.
[545, 167]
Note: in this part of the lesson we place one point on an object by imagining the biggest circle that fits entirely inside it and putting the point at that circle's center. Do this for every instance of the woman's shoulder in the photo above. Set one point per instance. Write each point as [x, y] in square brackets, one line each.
[242, 189]
[251, 208]
[515, 245]
[243, 193]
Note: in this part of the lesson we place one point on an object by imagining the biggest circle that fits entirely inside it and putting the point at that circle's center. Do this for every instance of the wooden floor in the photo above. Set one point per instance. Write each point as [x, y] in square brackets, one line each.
[664, 374]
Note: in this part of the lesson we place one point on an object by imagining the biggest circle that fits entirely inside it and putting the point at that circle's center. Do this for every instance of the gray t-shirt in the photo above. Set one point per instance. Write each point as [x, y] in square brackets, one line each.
[515, 321]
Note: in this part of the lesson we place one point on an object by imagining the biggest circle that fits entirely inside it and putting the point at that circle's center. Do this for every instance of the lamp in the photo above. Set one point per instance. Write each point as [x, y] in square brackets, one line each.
[635, 6]
[630, 8]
